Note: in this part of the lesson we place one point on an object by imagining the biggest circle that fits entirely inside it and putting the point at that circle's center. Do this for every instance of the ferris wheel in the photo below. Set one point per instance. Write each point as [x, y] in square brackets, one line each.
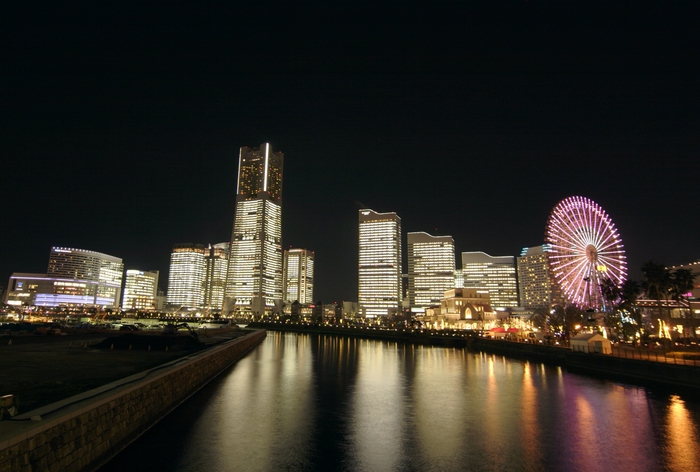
[585, 250]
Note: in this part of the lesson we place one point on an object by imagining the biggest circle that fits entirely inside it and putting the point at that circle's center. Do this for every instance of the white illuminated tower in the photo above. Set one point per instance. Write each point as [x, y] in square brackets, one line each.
[379, 274]
[299, 275]
[254, 281]
[494, 275]
[186, 276]
[431, 268]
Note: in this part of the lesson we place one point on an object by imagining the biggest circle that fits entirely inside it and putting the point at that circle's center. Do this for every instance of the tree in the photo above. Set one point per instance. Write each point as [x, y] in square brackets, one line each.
[657, 283]
[682, 282]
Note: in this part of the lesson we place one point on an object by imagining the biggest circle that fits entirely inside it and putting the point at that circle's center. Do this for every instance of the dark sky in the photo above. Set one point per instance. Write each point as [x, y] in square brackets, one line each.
[120, 124]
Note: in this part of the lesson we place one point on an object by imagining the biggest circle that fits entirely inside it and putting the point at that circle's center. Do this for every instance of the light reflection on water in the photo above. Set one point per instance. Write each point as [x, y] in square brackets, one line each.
[306, 402]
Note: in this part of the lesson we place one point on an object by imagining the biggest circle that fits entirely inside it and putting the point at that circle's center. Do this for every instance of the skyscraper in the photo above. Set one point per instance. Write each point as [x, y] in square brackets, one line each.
[298, 275]
[494, 275]
[536, 284]
[186, 277]
[216, 269]
[140, 290]
[431, 268]
[254, 281]
[379, 274]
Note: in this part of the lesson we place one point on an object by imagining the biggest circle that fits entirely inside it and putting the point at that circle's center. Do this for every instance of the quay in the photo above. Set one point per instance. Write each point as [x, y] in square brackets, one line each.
[85, 430]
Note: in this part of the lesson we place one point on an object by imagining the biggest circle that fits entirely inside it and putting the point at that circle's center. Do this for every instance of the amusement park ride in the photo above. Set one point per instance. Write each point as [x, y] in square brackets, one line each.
[585, 250]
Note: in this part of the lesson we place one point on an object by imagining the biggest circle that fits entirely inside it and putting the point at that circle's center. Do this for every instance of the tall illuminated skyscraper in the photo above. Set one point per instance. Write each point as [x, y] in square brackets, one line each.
[379, 274]
[494, 275]
[298, 275]
[186, 277]
[254, 281]
[431, 268]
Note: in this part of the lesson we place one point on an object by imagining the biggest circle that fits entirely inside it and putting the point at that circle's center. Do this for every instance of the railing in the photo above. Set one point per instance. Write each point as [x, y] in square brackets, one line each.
[653, 356]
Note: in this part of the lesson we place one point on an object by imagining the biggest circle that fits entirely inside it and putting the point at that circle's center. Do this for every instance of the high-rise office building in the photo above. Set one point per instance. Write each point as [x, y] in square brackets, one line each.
[379, 274]
[536, 285]
[216, 269]
[74, 277]
[140, 290]
[298, 280]
[90, 266]
[254, 282]
[186, 277]
[431, 268]
[494, 275]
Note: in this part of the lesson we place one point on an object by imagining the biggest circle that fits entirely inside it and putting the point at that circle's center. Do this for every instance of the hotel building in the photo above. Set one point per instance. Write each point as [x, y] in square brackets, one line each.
[254, 282]
[379, 273]
[186, 276]
[494, 275]
[431, 268]
[536, 284]
[74, 277]
[216, 269]
[298, 279]
[140, 290]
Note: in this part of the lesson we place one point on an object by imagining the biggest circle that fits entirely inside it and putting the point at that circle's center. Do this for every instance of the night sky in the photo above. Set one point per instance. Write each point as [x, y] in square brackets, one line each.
[120, 124]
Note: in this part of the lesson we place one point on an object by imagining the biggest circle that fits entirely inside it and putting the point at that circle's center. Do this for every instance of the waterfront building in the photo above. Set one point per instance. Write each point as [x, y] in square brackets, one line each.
[494, 275]
[74, 277]
[537, 287]
[140, 290]
[694, 268]
[298, 278]
[379, 271]
[186, 276]
[216, 270]
[254, 282]
[465, 308]
[431, 268]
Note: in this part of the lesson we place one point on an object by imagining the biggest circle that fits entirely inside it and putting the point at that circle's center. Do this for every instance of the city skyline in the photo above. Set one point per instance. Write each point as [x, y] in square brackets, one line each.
[473, 123]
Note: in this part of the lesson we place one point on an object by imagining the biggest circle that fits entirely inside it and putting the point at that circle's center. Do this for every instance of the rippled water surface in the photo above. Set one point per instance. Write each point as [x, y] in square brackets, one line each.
[308, 402]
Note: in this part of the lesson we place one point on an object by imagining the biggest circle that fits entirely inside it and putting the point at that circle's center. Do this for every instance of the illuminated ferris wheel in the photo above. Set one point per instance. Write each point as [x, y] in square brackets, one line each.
[585, 250]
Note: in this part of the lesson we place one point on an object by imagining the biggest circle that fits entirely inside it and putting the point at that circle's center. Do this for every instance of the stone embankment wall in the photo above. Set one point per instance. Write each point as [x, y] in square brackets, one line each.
[91, 432]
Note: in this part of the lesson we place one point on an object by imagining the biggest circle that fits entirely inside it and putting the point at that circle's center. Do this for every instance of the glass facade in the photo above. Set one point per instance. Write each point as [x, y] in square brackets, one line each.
[379, 271]
[254, 280]
[494, 275]
[186, 277]
[431, 268]
[298, 275]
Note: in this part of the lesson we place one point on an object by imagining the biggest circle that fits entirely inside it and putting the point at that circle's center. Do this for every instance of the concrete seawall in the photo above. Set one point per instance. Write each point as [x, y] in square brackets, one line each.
[84, 431]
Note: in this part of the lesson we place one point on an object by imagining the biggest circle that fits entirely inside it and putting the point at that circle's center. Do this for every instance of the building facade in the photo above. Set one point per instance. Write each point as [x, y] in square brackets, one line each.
[74, 277]
[298, 278]
[140, 290]
[379, 272]
[431, 268]
[186, 276]
[254, 282]
[494, 275]
[216, 270]
[536, 285]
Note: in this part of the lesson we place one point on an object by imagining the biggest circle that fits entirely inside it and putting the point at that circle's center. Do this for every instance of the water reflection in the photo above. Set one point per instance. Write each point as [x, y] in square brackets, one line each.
[303, 402]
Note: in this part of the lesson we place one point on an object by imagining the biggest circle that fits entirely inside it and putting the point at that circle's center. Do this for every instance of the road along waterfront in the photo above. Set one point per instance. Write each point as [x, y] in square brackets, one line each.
[327, 402]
